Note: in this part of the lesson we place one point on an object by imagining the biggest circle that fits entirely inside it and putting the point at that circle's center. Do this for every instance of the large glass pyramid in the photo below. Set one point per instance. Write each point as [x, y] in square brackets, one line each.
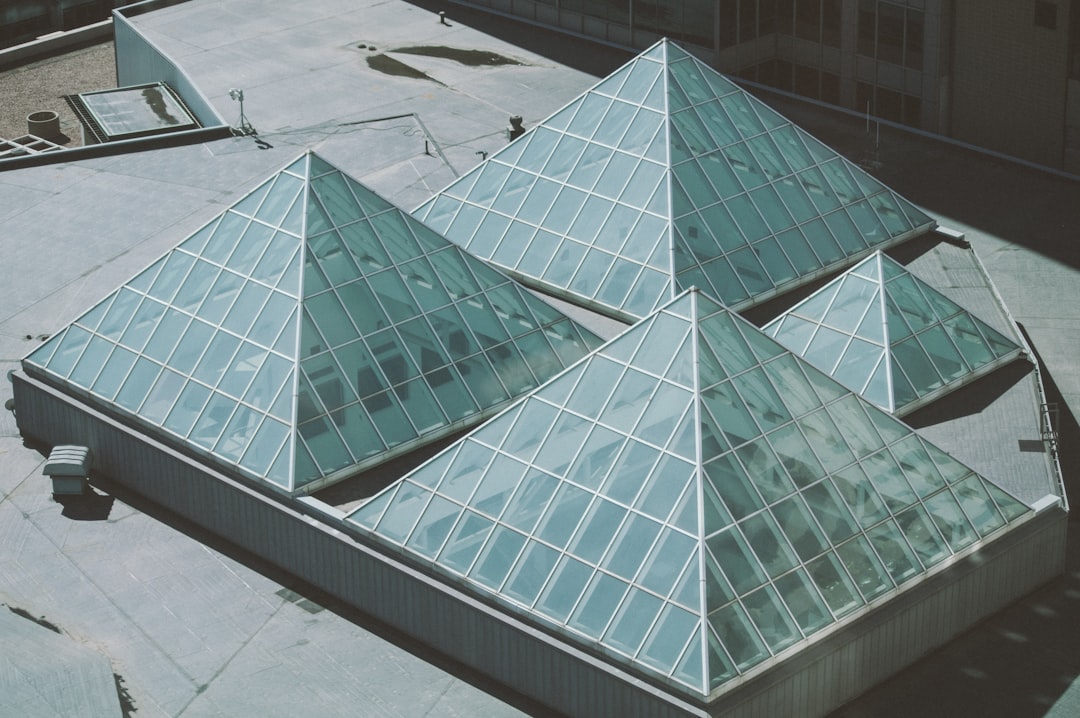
[663, 176]
[691, 499]
[311, 329]
[884, 333]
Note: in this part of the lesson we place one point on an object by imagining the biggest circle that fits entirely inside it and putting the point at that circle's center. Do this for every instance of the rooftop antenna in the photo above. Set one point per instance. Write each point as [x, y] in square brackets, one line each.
[245, 127]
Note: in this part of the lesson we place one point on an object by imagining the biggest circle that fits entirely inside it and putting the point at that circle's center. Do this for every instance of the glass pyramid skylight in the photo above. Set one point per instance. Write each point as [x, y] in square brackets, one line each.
[663, 176]
[309, 329]
[934, 345]
[692, 499]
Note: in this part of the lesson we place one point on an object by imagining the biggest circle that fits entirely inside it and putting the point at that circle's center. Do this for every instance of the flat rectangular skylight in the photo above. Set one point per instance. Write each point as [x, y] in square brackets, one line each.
[137, 111]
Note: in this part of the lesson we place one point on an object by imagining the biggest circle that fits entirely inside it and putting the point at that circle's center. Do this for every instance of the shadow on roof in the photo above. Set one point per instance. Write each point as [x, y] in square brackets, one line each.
[973, 398]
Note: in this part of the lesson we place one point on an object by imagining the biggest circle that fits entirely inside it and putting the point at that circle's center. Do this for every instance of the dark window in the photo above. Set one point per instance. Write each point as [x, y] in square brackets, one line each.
[912, 111]
[783, 76]
[830, 23]
[890, 105]
[747, 20]
[1046, 14]
[612, 10]
[890, 47]
[891, 33]
[806, 81]
[887, 104]
[767, 17]
[729, 23]
[1074, 41]
[864, 98]
[830, 88]
[766, 73]
[913, 40]
[687, 20]
[867, 27]
[785, 17]
[808, 20]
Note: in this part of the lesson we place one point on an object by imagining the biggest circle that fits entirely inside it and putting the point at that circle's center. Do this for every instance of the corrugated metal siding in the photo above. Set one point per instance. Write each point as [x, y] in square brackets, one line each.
[823, 676]
[872, 649]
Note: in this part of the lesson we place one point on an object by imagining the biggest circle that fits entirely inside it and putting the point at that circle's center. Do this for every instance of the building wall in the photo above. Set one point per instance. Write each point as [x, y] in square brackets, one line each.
[1009, 77]
[320, 549]
[138, 62]
[981, 71]
[26, 20]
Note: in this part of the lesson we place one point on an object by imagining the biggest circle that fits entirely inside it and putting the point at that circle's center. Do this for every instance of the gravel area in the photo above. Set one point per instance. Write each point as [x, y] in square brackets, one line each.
[40, 85]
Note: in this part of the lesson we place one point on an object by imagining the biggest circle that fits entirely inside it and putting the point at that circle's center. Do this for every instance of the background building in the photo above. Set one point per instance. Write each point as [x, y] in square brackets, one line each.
[26, 20]
[995, 73]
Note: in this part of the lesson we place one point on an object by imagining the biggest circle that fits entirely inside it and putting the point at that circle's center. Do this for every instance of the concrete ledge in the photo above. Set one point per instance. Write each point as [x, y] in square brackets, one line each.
[55, 43]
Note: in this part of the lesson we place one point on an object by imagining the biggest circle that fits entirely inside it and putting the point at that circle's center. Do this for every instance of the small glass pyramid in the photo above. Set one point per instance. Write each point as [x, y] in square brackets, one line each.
[663, 176]
[884, 333]
[691, 498]
[311, 329]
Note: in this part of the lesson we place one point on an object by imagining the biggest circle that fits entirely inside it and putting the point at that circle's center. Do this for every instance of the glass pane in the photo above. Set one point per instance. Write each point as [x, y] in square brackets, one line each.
[803, 601]
[668, 638]
[889, 481]
[528, 502]
[954, 526]
[836, 587]
[598, 605]
[729, 480]
[531, 572]
[865, 568]
[564, 589]
[828, 509]
[631, 546]
[768, 543]
[633, 621]
[465, 542]
[596, 457]
[738, 636]
[977, 505]
[735, 558]
[771, 618]
[859, 494]
[796, 456]
[800, 528]
[597, 530]
[894, 551]
[562, 516]
[497, 485]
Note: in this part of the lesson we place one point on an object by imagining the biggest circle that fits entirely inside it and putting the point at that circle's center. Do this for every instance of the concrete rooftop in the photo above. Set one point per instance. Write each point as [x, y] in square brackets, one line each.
[194, 626]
